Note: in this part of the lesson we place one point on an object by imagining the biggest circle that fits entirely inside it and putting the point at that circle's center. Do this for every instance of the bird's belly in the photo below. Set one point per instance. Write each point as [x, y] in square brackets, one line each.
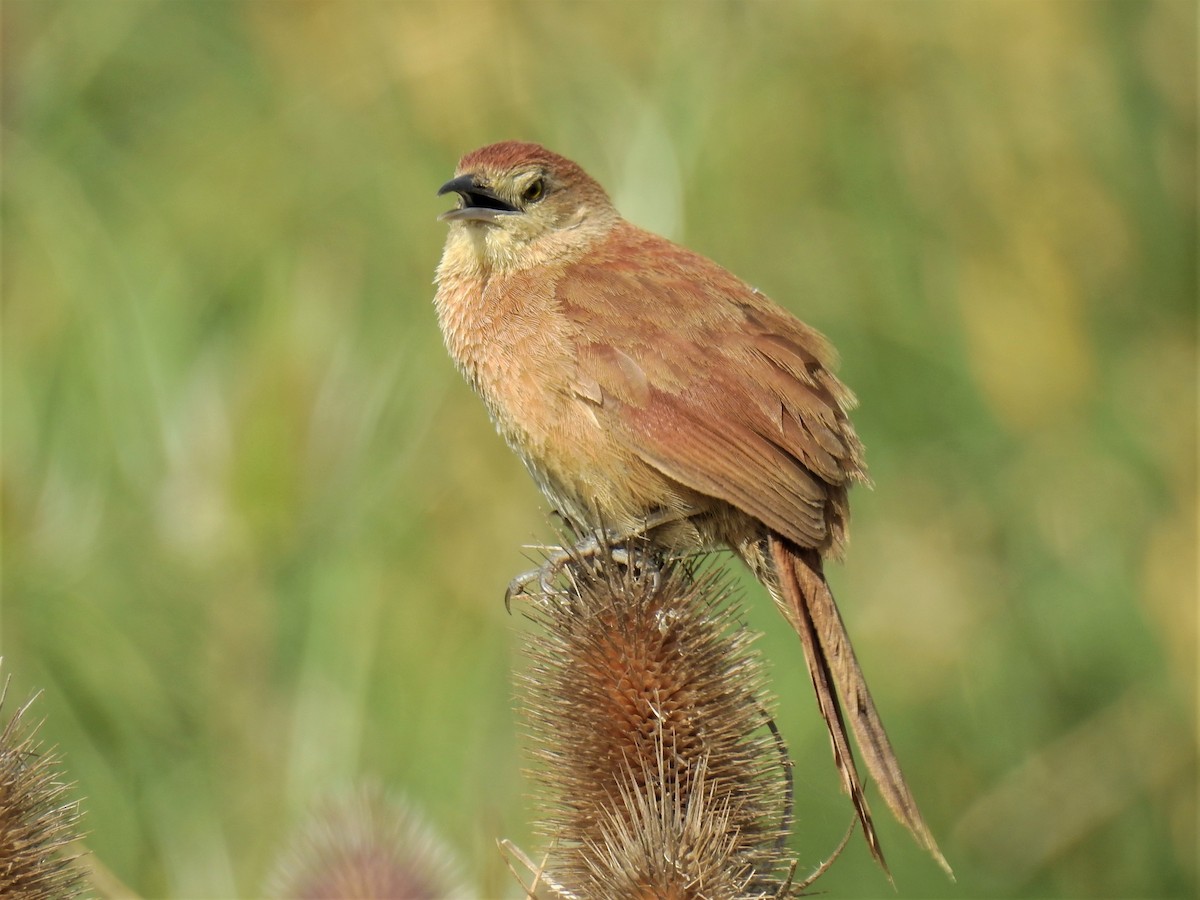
[595, 480]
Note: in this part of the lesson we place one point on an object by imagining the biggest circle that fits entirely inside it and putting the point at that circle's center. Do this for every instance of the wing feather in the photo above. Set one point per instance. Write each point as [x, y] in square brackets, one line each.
[715, 386]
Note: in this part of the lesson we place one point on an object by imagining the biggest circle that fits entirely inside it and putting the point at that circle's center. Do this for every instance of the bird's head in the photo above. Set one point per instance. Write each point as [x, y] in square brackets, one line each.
[518, 203]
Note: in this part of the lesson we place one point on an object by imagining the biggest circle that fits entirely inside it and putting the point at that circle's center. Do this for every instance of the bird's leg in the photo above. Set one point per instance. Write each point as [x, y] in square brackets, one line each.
[600, 541]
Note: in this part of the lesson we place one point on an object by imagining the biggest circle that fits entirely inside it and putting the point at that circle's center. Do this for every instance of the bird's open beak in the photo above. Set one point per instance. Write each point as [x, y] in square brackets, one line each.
[477, 203]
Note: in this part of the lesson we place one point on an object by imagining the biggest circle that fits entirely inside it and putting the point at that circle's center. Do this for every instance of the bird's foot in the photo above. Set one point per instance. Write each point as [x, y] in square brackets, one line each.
[607, 544]
[556, 558]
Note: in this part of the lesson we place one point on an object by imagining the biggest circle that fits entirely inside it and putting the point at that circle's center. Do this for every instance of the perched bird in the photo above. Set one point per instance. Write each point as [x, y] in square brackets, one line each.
[652, 393]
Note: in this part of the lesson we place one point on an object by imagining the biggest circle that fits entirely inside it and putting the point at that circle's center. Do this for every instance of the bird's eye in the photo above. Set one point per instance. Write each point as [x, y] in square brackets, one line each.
[535, 191]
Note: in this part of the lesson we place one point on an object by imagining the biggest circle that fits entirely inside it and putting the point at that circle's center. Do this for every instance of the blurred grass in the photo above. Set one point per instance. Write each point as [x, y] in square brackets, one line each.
[256, 530]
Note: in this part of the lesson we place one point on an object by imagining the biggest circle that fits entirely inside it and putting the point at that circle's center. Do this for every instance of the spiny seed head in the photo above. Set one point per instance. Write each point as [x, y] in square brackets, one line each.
[365, 845]
[660, 772]
[37, 821]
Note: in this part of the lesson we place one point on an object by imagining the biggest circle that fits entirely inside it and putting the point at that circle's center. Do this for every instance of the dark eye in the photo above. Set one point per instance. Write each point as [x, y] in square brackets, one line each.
[535, 191]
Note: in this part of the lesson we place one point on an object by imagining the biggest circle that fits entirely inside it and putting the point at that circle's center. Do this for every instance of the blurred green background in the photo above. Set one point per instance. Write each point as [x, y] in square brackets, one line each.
[256, 529]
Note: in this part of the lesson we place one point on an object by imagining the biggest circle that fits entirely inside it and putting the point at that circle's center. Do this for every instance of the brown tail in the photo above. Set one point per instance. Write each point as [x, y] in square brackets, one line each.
[808, 604]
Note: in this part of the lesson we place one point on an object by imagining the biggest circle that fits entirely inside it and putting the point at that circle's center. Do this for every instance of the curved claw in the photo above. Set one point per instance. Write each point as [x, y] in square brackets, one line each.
[517, 587]
[544, 575]
[509, 592]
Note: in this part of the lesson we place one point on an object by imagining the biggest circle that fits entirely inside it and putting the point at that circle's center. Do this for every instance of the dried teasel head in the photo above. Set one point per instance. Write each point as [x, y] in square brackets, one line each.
[38, 823]
[661, 774]
[366, 844]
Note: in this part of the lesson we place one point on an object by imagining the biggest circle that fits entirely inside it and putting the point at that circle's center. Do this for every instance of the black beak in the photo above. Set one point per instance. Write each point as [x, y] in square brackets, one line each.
[478, 203]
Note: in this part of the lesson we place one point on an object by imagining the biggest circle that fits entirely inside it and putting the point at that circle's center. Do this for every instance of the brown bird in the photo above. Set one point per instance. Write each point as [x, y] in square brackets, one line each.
[651, 392]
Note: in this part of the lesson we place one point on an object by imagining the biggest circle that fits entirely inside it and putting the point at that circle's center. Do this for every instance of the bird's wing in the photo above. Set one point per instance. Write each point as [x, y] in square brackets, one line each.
[715, 386]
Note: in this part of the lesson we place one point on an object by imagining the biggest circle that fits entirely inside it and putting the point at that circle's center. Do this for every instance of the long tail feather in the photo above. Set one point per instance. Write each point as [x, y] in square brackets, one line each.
[822, 680]
[831, 661]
